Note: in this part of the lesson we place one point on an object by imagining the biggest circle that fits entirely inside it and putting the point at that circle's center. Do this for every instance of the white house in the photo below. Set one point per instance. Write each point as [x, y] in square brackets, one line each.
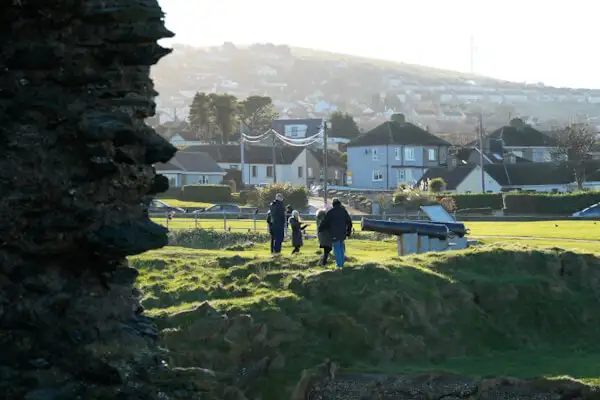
[191, 168]
[539, 177]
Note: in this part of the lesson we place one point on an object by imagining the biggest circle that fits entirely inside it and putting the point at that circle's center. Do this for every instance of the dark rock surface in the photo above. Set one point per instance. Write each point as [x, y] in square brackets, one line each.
[75, 172]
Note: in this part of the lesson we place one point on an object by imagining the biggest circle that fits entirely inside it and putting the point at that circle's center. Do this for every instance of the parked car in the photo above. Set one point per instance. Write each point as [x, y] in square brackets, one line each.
[591, 211]
[158, 206]
[220, 209]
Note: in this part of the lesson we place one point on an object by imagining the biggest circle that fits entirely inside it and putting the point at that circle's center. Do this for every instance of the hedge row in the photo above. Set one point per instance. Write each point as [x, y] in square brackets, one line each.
[546, 203]
[297, 196]
[205, 193]
[477, 200]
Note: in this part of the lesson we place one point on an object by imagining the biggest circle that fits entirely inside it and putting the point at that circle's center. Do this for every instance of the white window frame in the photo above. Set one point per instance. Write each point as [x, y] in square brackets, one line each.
[267, 168]
[430, 153]
[409, 154]
[336, 174]
[204, 179]
[309, 172]
[398, 153]
[377, 175]
[375, 154]
[401, 175]
[254, 171]
[300, 171]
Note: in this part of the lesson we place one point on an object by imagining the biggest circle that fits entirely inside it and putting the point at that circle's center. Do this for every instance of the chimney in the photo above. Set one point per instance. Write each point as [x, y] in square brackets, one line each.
[398, 118]
[517, 123]
[452, 162]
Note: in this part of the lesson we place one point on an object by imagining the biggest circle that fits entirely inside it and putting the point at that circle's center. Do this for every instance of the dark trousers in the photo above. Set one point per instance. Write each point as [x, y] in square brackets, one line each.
[278, 240]
[272, 241]
[326, 251]
[296, 249]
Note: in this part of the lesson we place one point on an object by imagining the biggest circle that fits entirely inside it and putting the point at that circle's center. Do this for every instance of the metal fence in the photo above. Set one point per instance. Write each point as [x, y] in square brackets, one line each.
[257, 221]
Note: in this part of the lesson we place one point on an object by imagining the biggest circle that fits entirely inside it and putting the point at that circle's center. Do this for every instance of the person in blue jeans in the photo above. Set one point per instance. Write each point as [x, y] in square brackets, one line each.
[338, 223]
[277, 223]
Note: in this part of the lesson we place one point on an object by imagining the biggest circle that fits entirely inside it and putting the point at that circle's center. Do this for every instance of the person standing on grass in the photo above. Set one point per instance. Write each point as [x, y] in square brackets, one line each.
[297, 228]
[339, 225]
[278, 222]
[288, 214]
[324, 237]
[270, 227]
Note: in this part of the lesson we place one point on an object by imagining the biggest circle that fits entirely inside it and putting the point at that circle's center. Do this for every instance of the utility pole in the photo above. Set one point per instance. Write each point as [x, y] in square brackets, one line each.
[326, 166]
[242, 150]
[480, 130]
[274, 159]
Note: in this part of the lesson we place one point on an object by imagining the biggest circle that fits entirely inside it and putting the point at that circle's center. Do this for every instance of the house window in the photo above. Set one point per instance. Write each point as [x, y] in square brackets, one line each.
[269, 171]
[294, 131]
[409, 153]
[254, 171]
[310, 172]
[377, 175]
[173, 181]
[401, 177]
[398, 153]
[375, 155]
[431, 154]
[234, 166]
[336, 174]
[203, 179]
[300, 172]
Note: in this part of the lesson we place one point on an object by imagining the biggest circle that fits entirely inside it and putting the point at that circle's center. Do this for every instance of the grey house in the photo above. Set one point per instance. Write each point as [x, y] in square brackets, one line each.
[393, 153]
[188, 168]
[315, 167]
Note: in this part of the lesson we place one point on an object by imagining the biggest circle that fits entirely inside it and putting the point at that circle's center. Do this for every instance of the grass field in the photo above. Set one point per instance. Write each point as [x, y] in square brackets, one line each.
[497, 309]
[576, 230]
[191, 204]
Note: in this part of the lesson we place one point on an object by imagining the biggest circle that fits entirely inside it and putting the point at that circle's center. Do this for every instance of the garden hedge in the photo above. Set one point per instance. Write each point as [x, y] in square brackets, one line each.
[206, 193]
[297, 196]
[546, 203]
[476, 200]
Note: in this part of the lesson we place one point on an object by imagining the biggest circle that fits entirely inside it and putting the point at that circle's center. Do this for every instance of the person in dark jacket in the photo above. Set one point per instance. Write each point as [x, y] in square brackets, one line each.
[288, 215]
[297, 229]
[339, 225]
[277, 222]
[270, 230]
[324, 237]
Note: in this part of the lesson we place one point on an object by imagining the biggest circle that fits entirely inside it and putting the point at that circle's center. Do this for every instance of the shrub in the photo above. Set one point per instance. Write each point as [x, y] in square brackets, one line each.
[448, 203]
[251, 197]
[212, 239]
[437, 185]
[206, 193]
[478, 200]
[232, 184]
[297, 196]
[546, 203]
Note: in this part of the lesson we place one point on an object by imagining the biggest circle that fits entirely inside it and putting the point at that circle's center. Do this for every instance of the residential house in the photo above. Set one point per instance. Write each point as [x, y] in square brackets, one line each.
[539, 177]
[183, 139]
[521, 140]
[315, 167]
[191, 168]
[290, 162]
[392, 153]
[298, 128]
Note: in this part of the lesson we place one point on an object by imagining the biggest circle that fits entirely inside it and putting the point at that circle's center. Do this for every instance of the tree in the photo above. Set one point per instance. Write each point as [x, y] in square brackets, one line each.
[343, 125]
[574, 145]
[224, 109]
[436, 185]
[257, 113]
[199, 116]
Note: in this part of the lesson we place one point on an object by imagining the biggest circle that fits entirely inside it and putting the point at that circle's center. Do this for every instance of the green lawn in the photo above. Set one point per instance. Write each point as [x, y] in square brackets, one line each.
[581, 230]
[179, 203]
[497, 309]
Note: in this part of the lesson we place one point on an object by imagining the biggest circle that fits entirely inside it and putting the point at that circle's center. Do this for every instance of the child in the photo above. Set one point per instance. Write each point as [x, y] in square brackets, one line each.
[324, 237]
[297, 228]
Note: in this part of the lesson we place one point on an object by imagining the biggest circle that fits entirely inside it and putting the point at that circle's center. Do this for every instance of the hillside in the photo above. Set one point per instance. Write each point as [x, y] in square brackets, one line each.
[309, 83]
[255, 323]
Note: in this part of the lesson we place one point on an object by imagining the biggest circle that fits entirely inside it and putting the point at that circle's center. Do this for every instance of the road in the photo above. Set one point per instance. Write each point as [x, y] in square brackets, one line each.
[314, 203]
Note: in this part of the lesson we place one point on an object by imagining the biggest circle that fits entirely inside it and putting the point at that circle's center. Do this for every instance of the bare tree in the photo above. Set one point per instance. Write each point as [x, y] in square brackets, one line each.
[574, 146]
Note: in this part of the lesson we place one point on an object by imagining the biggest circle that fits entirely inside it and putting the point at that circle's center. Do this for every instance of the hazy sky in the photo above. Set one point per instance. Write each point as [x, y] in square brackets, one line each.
[527, 40]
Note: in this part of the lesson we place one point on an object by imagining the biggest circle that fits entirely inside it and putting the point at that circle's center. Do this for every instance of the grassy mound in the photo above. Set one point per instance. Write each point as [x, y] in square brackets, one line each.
[486, 311]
